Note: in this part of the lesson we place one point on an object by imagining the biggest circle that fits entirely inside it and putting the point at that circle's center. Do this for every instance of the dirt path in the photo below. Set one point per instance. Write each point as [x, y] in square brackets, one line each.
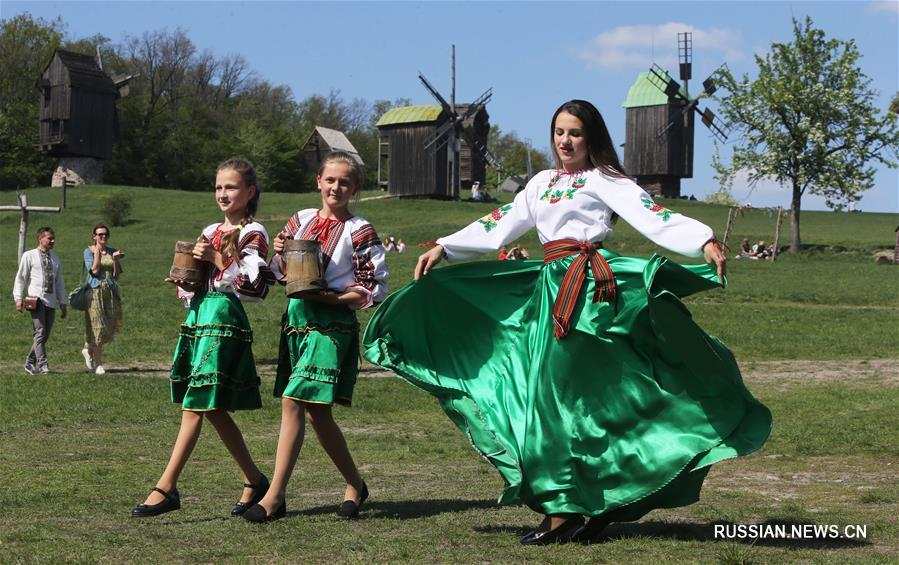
[873, 372]
[877, 371]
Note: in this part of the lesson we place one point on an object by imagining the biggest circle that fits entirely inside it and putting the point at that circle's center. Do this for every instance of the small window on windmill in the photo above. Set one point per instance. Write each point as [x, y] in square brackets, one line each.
[46, 91]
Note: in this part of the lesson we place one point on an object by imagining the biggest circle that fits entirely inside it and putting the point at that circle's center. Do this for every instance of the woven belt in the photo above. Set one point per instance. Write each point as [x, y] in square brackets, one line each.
[604, 281]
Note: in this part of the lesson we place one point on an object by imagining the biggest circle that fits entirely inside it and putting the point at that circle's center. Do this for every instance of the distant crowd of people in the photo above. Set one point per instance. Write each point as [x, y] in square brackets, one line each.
[514, 253]
[756, 251]
[394, 245]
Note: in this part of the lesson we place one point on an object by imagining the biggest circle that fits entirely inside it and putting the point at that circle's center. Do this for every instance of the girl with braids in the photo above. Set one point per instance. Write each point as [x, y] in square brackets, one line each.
[582, 378]
[213, 371]
[319, 354]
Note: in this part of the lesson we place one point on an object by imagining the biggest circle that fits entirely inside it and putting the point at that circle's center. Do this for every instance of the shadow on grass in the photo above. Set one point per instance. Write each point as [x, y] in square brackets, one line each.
[403, 510]
[689, 531]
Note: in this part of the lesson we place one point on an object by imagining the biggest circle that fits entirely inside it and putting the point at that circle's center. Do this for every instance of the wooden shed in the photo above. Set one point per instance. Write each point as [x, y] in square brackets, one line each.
[657, 161]
[323, 141]
[77, 107]
[407, 169]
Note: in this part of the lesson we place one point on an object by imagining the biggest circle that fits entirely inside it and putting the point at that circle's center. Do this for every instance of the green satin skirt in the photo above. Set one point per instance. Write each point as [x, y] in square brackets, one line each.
[627, 412]
[213, 367]
[318, 359]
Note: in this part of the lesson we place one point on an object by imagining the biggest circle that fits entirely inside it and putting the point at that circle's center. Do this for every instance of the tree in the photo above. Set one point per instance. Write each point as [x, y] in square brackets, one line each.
[512, 152]
[808, 121]
[27, 45]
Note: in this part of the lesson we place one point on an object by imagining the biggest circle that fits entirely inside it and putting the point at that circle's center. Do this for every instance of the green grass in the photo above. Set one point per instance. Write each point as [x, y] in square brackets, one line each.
[769, 311]
[80, 450]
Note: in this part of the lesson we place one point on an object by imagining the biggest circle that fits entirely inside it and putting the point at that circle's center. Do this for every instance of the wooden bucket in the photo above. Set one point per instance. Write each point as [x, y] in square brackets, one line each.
[303, 266]
[189, 271]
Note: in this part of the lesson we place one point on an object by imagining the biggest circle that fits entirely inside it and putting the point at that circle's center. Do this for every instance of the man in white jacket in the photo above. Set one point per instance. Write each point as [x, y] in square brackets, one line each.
[40, 276]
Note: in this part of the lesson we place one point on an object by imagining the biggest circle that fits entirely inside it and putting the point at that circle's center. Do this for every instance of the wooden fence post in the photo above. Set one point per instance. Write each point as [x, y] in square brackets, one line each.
[780, 219]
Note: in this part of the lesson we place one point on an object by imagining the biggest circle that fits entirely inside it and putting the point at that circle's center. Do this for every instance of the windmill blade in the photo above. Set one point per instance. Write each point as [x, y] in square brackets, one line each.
[661, 80]
[436, 94]
[476, 105]
[439, 135]
[481, 148]
[687, 107]
[715, 124]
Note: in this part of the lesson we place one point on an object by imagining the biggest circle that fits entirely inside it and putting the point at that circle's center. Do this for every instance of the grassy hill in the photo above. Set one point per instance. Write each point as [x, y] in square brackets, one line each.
[816, 305]
[816, 335]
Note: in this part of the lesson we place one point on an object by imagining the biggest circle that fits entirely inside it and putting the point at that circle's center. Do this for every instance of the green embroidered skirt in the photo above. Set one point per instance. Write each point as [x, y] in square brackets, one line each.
[318, 358]
[214, 366]
[627, 412]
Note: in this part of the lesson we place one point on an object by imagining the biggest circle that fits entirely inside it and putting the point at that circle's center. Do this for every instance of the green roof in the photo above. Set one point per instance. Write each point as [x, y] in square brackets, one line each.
[644, 93]
[410, 114]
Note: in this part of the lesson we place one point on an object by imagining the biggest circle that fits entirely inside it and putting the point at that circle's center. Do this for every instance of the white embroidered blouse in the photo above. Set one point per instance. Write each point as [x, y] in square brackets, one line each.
[246, 273]
[579, 206]
[354, 257]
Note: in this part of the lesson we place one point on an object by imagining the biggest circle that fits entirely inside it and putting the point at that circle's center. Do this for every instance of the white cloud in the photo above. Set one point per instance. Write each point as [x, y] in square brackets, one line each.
[890, 6]
[637, 47]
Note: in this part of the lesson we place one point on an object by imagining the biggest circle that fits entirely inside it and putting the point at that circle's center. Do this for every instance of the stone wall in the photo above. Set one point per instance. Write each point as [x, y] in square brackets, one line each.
[78, 170]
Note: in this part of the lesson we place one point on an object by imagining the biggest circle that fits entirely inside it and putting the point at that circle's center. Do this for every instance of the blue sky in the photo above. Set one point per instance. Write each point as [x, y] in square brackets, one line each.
[535, 55]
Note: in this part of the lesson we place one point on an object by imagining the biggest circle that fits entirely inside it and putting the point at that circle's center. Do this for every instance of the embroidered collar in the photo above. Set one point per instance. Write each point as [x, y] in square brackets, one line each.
[330, 220]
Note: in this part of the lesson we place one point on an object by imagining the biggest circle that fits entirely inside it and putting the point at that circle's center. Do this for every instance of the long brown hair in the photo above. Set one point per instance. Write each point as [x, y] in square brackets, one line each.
[600, 150]
[247, 173]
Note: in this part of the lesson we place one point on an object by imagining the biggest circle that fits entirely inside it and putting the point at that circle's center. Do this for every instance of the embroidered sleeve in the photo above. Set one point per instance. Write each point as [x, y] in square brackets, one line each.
[663, 226]
[369, 266]
[255, 277]
[490, 232]
[23, 278]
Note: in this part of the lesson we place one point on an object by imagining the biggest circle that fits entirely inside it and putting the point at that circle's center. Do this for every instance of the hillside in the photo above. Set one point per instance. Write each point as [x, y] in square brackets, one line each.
[838, 303]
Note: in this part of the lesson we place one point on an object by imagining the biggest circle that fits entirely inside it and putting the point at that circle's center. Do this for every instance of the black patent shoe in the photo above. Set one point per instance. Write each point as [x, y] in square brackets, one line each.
[258, 514]
[348, 508]
[259, 492]
[590, 532]
[561, 534]
[171, 502]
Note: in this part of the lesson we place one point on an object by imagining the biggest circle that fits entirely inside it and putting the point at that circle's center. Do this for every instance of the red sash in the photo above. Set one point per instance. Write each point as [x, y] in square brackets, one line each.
[604, 289]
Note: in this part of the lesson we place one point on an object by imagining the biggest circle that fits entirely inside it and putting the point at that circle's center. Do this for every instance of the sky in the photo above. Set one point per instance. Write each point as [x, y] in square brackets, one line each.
[535, 55]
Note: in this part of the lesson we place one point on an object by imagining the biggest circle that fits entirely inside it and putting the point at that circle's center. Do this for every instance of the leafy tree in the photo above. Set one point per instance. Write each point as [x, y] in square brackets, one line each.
[27, 45]
[512, 151]
[808, 121]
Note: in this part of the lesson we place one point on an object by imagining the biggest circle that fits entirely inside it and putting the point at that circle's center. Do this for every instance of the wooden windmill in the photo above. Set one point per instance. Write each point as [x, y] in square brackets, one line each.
[659, 125]
[77, 114]
[434, 150]
[461, 124]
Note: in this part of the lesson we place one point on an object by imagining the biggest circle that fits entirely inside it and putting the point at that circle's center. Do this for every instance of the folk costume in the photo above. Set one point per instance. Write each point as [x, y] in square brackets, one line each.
[318, 358]
[103, 315]
[213, 367]
[582, 378]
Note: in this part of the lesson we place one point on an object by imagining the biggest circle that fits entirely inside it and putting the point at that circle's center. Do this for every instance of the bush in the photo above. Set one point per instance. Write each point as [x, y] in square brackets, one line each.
[723, 197]
[117, 209]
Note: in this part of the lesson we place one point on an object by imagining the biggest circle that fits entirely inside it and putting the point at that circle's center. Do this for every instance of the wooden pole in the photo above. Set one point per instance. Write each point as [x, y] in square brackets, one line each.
[731, 215]
[780, 218]
[23, 224]
[65, 184]
[24, 208]
[896, 253]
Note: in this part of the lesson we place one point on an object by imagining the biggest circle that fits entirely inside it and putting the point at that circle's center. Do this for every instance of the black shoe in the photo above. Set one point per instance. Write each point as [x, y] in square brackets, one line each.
[544, 524]
[590, 532]
[561, 534]
[257, 514]
[259, 492]
[171, 502]
[348, 508]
